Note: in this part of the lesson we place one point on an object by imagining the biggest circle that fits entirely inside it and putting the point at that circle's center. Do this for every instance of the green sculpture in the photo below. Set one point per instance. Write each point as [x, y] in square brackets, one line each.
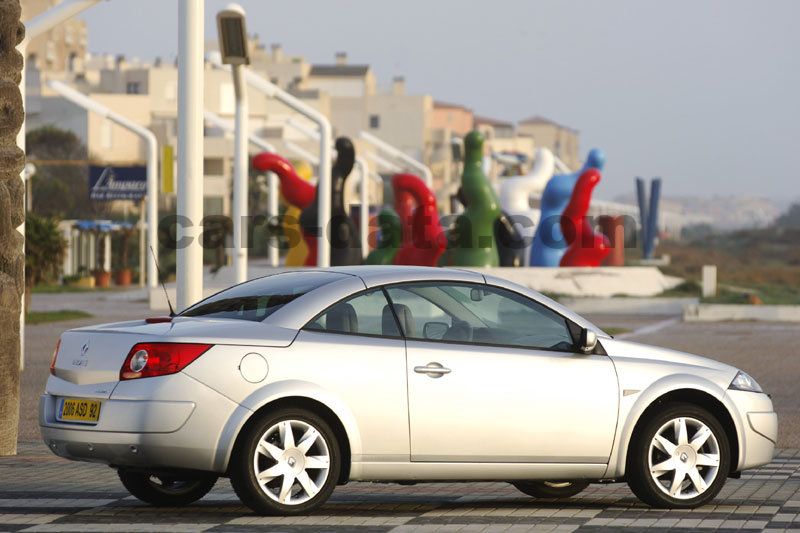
[390, 238]
[471, 241]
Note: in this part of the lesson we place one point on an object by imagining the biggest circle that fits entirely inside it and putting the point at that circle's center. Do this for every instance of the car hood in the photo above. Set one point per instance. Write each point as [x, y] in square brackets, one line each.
[620, 350]
[190, 329]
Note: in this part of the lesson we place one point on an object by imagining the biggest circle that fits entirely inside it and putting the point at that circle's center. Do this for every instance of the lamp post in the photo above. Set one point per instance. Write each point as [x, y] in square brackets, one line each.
[151, 144]
[325, 147]
[233, 47]
[272, 179]
[189, 267]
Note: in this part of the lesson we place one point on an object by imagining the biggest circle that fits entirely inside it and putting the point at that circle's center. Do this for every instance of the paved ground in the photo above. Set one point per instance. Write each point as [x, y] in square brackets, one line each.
[40, 492]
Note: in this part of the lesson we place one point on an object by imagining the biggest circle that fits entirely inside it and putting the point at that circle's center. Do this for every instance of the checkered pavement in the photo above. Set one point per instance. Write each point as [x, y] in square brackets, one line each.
[40, 492]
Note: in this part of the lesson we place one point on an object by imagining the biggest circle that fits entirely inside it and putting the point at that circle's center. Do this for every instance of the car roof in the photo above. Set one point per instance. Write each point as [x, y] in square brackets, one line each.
[296, 315]
[373, 275]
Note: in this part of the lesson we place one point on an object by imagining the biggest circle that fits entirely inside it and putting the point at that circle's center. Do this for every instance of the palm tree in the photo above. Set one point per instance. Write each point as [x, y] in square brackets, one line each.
[44, 252]
[12, 214]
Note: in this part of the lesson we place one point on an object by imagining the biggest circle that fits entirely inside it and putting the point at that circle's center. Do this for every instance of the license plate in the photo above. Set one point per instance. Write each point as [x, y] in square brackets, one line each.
[79, 410]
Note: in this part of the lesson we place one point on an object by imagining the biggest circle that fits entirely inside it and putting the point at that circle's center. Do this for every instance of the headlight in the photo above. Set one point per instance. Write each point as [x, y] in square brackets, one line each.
[745, 382]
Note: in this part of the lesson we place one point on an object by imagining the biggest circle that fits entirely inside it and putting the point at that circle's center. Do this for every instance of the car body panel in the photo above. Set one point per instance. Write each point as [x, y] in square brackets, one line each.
[552, 415]
[510, 405]
[325, 367]
[298, 313]
[122, 441]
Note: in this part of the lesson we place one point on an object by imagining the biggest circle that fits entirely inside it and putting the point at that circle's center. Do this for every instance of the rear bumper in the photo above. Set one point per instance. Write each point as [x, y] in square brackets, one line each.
[154, 433]
[758, 428]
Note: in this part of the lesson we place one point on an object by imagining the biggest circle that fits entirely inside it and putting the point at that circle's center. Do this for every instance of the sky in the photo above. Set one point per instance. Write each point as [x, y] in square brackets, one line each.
[703, 93]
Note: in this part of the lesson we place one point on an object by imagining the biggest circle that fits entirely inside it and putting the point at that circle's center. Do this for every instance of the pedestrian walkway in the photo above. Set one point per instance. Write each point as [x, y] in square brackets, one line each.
[41, 492]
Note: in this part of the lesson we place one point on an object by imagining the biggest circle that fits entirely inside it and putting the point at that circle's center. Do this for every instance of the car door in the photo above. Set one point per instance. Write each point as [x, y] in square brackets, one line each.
[493, 377]
[354, 349]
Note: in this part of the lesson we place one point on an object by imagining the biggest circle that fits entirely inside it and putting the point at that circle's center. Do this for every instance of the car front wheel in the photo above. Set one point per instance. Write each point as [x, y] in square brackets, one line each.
[286, 463]
[680, 458]
[166, 491]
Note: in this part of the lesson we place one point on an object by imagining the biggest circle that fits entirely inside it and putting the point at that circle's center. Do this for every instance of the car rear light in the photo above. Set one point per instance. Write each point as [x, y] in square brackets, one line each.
[158, 319]
[53, 360]
[149, 359]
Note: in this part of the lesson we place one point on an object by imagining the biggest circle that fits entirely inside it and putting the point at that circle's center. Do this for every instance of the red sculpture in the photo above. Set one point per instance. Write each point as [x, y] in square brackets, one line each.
[585, 247]
[299, 193]
[295, 189]
[423, 241]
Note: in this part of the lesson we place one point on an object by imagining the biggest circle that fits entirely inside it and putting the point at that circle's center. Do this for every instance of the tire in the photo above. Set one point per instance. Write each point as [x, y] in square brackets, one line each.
[163, 491]
[263, 446]
[551, 489]
[686, 471]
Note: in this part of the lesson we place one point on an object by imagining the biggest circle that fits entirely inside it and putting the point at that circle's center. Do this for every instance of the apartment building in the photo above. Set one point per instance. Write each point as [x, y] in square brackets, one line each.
[62, 48]
[562, 140]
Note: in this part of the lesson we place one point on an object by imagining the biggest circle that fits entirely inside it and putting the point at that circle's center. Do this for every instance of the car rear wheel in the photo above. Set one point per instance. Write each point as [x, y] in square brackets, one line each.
[680, 459]
[286, 463]
[166, 491]
[551, 489]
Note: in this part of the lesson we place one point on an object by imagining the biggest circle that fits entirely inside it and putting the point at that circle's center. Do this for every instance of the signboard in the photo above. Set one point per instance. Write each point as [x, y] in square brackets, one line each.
[167, 169]
[117, 183]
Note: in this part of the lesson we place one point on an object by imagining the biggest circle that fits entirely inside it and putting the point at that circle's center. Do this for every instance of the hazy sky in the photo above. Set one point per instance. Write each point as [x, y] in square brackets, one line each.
[702, 93]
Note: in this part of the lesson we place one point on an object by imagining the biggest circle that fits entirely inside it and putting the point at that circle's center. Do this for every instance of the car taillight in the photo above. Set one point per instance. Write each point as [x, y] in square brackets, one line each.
[148, 359]
[53, 360]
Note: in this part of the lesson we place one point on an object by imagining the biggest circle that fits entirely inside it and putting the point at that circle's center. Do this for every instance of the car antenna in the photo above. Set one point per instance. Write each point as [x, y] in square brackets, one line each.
[171, 310]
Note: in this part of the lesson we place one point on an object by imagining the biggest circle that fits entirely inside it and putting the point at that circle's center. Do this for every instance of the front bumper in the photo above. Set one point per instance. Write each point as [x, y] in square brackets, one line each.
[757, 427]
[148, 433]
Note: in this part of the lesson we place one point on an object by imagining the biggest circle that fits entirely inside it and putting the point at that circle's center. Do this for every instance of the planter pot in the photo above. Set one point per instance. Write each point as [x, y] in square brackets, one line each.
[102, 279]
[86, 282]
[123, 277]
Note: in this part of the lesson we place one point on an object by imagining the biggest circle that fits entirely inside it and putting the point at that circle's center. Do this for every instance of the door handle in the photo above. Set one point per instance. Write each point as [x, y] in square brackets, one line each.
[432, 370]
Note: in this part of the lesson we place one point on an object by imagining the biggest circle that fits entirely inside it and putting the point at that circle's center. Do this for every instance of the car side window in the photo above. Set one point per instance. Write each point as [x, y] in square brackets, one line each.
[478, 314]
[367, 313]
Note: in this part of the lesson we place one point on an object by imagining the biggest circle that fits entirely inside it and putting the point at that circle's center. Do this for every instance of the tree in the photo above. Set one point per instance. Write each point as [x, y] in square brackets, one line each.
[44, 250]
[12, 214]
[60, 190]
[790, 219]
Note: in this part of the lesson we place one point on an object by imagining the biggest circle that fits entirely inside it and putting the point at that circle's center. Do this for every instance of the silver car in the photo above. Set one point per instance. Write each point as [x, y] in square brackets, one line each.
[294, 383]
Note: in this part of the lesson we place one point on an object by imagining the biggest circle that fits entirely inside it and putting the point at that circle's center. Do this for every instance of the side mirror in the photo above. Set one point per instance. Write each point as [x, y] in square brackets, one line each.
[434, 330]
[588, 341]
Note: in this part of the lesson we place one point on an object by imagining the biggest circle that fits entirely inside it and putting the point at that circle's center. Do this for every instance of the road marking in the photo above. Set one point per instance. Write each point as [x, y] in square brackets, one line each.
[650, 328]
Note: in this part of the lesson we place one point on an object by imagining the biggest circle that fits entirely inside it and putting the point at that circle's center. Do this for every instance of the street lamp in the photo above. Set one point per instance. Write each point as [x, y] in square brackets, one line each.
[326, 147]
[233, 47]
[272, 179]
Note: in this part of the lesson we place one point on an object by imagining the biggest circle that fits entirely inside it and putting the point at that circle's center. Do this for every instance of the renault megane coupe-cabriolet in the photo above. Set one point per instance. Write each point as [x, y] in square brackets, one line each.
[297, 382]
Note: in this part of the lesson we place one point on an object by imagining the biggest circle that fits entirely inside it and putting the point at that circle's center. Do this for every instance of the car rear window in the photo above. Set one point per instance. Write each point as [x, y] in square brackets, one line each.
[257, 299]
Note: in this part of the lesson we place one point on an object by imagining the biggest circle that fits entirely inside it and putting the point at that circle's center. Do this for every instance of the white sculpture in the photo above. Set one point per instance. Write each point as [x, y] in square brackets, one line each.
[516, 191]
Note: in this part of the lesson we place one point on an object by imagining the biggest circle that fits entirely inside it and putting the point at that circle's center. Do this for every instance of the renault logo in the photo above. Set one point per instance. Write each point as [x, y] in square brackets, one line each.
[85, 348]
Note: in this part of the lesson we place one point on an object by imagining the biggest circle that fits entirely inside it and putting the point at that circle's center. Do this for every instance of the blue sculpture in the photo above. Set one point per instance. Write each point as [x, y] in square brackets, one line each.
[648, 215]
[548, 241]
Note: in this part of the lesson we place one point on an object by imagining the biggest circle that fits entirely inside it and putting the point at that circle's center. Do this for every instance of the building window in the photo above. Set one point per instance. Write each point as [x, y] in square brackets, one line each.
[374, 122]
[132, 87]
[213, 166]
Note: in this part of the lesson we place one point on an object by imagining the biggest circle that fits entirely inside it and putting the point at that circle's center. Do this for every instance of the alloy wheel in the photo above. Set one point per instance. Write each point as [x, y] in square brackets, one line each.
[683, 458]
[291, 462]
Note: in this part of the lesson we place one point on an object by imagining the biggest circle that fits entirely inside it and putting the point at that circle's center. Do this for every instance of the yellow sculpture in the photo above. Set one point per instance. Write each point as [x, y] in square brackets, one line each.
[296, 256]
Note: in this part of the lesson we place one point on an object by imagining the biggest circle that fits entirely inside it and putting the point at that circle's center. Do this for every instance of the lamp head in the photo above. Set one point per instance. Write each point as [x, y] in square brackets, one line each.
[232, 31]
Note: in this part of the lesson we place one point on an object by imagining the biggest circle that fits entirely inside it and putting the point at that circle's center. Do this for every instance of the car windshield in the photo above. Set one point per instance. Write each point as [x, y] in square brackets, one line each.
[257, 299]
